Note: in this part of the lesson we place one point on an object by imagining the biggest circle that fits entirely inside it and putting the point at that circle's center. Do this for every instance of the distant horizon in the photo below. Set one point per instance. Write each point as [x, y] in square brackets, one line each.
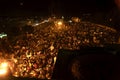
[59, 7]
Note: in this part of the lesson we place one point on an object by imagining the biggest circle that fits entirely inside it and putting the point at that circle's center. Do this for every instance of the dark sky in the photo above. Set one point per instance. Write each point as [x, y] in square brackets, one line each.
[54, 6]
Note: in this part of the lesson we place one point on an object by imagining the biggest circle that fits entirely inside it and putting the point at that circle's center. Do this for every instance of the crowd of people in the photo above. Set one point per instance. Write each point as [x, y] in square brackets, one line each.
[34, 54]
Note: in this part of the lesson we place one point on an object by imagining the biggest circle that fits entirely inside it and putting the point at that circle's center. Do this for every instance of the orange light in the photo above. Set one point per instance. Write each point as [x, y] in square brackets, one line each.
[4, 65]
[60, 23]
[3, 68]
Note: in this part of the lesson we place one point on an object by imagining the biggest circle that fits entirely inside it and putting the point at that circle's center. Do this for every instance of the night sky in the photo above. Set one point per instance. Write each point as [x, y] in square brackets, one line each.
[55, 6]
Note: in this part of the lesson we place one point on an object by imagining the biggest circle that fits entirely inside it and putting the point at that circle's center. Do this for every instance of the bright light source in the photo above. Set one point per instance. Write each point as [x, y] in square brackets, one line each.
[70, 21]
[37, 24]
[75, 19]
[3, 35]
[3, 68]
[3, 71]
[55, 60]
[60, 23]
[3, 65]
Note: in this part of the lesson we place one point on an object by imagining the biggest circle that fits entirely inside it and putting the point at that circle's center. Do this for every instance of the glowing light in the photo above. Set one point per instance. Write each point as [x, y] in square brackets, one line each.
[70, 21]
[75, 19]
[3, 71]
[62, 17]
[3, 68]
[3, 65]
[55, 60]
[60, 23]
[3, 35]
[36, 24]
[51, 47]
[16, 74]
[46, 20]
